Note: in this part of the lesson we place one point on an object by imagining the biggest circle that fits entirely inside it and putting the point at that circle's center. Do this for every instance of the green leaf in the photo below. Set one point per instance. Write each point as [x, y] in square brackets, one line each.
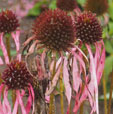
[36, 10]
[108, 46]
[52, 5]
[111, 9]
[108, 66]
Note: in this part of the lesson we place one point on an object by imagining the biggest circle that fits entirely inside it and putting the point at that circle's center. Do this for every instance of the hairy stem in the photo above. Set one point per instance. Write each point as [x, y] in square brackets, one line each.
[104, 90]
[61, 92]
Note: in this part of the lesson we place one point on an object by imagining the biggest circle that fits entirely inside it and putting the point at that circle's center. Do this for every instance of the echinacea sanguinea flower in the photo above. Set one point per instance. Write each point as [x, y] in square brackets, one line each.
[55, 30]
[66, 5]
[8, 21]
[15, 77]
[88, 28]
[97, 6]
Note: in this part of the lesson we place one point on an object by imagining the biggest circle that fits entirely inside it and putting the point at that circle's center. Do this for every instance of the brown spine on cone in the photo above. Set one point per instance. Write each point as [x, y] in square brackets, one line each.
[55, 30]
[88, 29]
[16, 76]
[8, 21]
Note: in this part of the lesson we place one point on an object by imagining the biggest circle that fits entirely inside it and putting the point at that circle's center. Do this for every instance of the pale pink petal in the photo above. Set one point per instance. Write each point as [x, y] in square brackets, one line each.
[93, 86]
[16, 38]
[68, 90]
[29, 102]
[21, 102]
[76, 76]
[4, 49]
[1, 61]
[101, 65]
[15, 109]
[55, 79]
[6, 105]
[32, 93]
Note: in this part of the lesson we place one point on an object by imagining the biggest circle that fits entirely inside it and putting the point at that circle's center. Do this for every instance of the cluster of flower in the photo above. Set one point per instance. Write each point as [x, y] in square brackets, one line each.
[60, 34]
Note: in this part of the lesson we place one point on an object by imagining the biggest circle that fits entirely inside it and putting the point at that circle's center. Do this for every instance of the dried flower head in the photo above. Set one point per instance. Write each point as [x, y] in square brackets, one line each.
[16, 76]
[88, 29]
[55, 30]
[67, 5]
[8, 21]
[97, 6]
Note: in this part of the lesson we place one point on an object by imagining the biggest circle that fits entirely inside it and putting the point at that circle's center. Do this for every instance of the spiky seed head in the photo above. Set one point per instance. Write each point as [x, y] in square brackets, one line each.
[88, 29]
[8, 21]
[55, 30]
[16, 75]
[67, 5]
[97, 6]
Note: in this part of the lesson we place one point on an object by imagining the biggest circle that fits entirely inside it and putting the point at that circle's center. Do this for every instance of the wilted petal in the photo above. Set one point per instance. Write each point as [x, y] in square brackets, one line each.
[55, 80]
[4, 49]
[16, 38]
[1, 61]
[76, 76]
[93, 86]
[66, 81]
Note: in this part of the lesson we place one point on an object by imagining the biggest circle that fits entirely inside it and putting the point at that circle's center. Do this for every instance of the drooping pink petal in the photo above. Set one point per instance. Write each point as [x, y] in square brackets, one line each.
[76, 76]
[93, 86]
[101, 63]
[1, 87]
[55, 79]
[16, 38]
[4, 49]
[68, 90]
[21, 102]
[1, 61]
[32, 93]
[29, 102]
[6, 105]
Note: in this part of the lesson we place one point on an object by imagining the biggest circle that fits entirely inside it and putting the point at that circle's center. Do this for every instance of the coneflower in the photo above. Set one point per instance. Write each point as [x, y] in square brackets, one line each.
[67, 5]
[15, 77]
[88, 28]
[89, 32]
[97, 6]
[8, 21]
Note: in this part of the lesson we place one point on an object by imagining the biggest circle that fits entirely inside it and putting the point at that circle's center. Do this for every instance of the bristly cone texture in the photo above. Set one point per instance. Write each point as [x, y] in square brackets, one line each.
[67, 5]
[8, 21]
[16, 76]
[55, 30]
[97, 6]
[88, 29]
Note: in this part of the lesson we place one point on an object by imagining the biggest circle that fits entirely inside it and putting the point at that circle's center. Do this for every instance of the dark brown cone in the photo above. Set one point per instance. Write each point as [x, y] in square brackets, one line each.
[88, 29]
[55, 30]
[67, 5]
[97, 6]
[8, 21]
[16, 76]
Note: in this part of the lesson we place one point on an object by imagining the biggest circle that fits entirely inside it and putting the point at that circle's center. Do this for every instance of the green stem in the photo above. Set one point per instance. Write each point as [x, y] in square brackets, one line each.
[110, 97]
[61, 92]
[104, 89]
[51, 105]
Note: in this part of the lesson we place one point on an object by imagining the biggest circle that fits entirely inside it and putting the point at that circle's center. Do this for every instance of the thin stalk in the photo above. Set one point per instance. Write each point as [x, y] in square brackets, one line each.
[82, 108]
[61, 92]
[51, 104]
[8, 47]
[110, 97]
[104, 90]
